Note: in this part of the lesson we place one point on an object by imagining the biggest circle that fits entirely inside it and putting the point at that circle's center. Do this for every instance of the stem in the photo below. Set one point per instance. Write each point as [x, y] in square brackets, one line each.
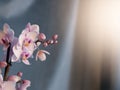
[7, 68]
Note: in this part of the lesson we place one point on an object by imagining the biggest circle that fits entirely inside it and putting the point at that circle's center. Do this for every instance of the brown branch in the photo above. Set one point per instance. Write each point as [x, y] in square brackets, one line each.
[7, 68]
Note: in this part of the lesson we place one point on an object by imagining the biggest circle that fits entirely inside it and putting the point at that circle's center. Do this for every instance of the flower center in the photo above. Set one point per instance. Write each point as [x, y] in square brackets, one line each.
[26, 43]
[25, 56]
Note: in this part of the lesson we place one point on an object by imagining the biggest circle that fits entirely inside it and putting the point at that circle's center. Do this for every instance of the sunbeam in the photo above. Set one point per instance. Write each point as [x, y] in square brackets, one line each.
[62, 75]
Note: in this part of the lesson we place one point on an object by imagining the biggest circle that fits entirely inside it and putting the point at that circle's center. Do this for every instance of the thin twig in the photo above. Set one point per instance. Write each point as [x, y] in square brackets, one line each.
[7, 68]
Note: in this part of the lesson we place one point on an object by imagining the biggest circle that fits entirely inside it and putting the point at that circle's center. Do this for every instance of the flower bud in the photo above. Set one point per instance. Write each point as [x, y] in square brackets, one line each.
[19, 74]
[27, 82]
[51, 41]
[56, 42]
[42, 36]
[45, 44]
[55, 37]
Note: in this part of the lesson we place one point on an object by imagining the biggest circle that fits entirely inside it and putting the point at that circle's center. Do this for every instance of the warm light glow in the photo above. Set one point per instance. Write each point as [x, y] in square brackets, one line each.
[99, 35]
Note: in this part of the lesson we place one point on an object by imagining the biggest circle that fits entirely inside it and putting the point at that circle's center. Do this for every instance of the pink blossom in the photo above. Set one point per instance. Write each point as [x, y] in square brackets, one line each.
[41, 54]
[21, 48]
[26, 44]
[13, 83]
[31, 28]
[24, 85]
[6, 36]
[23, 54]
[7, 85]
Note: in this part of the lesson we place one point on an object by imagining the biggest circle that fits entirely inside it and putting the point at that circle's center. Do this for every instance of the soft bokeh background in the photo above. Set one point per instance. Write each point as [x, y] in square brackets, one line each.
[88, 54]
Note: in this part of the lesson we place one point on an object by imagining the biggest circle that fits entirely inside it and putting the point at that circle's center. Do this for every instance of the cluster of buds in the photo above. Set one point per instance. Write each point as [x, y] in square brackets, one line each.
[42, 39]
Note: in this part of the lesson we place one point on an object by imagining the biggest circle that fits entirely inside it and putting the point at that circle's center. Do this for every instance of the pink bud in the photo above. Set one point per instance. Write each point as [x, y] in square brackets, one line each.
[3, 64]
[42, 36]
[19, 74]
[27, 82]
[51, 41]
[56, 42]
[48, 41]
[55, 37]
[45, 44]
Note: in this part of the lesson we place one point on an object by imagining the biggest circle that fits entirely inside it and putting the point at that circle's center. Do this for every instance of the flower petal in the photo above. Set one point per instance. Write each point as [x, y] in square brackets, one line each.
[3, 64]
[41, 55]
[17, 51]
[2, 35]
[21, 39]
[8, 85]
[26, 62]
[24, 85]
[14, 78]
[35, 28]
[32, 36]
[14, 58]
[10, 35]
[45, 52]
[1, 78]
[26, 82]
[28, 25]
[6, 28]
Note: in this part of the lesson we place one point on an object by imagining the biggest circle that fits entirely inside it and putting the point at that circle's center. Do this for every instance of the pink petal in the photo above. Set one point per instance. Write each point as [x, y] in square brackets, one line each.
[8, 85]
[10, 35]
[6, 28]
[21, 39]
[45, 52]
[30, 48]
[25, 31]
[15, 41]
[35, 28]
[26, 62]
[28, 25]
[3, 64]
[14, 78]
[41, 55]
[32, 35]
[1, 78]
[27, 82]
[24, 85]
[17, 51]
[14, 58]
[38, 44]
[2, 35]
